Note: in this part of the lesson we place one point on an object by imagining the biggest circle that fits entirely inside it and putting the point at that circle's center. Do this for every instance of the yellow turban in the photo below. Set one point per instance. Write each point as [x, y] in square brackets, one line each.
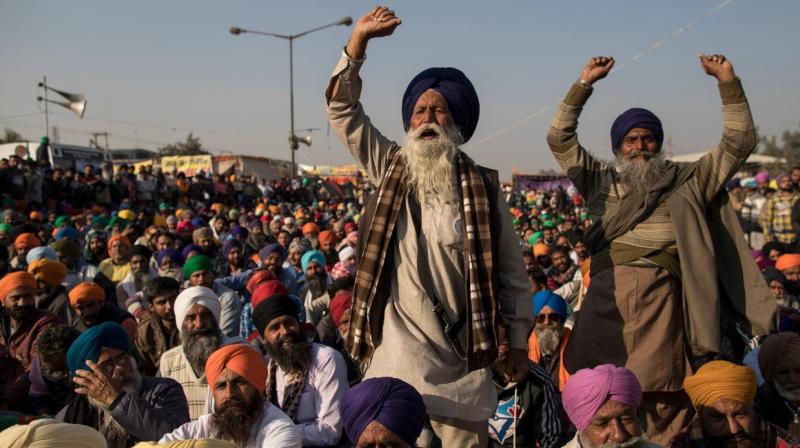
[721, 379]
[50, 271]
[49, 433]
[191, 443]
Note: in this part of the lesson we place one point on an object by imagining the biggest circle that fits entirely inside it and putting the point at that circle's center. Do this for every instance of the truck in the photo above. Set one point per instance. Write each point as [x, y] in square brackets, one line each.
[57, 154]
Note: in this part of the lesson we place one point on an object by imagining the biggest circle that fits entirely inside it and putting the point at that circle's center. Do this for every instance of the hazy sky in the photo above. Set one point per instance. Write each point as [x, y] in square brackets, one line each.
[154, 70]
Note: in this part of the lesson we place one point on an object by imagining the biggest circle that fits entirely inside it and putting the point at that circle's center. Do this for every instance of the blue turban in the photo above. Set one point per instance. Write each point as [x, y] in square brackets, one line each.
[229, 244]
[173, 255]
[191, 248]
[312, 255]
[551, 299]
[88, 345]
[67, 232]
[38, 253]
[269, 249]
[392, 402]
[635, 118]
[239, 231]
[198, 222]
[453, 85]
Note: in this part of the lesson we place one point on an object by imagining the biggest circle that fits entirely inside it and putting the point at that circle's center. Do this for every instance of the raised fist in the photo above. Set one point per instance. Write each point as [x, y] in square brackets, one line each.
[379, 22]
[597, 68]
[718, 66]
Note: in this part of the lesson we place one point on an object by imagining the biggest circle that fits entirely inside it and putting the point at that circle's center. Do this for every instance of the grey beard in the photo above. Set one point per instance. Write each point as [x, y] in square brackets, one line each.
[549, 339]
[139, 280]
[429, 163]
[198, 345]
[633, 442]
[116, 436]
[176, 273]
[636, 177]
[792, 396]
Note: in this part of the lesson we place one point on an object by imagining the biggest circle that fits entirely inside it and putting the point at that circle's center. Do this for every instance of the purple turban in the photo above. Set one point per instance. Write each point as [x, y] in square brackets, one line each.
[392, 402]
[229, 244]
[635, 118]
[269, 249]
[239, 231]
[173, 255]
[191, 248]
[453, 85]
[588, 390]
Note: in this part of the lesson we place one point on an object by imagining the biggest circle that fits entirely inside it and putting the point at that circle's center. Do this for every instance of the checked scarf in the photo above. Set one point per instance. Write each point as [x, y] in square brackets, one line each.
[482, 306]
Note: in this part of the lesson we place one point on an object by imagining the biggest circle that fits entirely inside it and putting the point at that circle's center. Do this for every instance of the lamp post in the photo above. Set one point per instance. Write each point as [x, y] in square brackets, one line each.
[294, 140]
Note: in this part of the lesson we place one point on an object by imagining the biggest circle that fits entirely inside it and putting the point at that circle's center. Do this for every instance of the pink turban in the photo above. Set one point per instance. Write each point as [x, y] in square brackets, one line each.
[588, 390]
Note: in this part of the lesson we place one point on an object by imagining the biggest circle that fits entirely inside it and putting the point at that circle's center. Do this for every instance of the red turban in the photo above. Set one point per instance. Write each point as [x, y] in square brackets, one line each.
[122, 238]
[241, 359]
[327, 237]
[787, 261]
[258, 277]
[340, 303]
[16, 280]
[86, 292]
[26, 241]
[266, 290]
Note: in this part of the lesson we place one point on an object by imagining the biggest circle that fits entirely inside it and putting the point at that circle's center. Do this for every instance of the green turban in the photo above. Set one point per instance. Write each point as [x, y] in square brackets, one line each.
[100, 221]
[197, 263]
[117, 220]
[535, 237]
[6, 228]
[67, 247]
[63, 219]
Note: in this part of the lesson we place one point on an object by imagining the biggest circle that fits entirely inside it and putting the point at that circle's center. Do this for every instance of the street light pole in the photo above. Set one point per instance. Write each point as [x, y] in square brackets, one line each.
[293, 139]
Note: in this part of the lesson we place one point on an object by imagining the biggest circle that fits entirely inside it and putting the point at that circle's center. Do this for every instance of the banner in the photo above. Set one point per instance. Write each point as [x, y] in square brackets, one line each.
[188, 165]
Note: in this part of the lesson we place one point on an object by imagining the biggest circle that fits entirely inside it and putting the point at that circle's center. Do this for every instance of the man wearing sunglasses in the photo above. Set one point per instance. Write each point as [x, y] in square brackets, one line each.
[549, 337]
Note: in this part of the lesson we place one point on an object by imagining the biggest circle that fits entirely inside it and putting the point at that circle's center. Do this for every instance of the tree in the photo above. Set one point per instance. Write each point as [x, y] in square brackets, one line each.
[11, 136]
[190, 147]
[789, 147]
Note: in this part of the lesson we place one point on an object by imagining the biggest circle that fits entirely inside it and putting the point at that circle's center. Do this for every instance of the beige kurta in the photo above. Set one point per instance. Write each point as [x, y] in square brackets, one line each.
[413, 346]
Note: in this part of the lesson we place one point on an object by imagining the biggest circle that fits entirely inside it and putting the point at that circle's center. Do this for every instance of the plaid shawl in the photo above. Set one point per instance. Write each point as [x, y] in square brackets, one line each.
[483, 331]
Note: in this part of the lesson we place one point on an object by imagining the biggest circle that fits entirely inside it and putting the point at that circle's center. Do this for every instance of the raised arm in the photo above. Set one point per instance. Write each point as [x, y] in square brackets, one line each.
[562, 137]
[347, 117]
[738, 134]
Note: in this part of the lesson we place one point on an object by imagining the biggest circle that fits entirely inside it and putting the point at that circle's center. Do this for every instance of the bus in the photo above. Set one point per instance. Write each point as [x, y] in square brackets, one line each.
[58, 155]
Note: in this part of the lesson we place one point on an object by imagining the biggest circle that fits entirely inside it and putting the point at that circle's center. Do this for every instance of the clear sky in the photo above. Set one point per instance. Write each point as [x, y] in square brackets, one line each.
[154, 70]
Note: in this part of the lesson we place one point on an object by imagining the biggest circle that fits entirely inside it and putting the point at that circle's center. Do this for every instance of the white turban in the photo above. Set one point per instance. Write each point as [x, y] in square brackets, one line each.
[346, 253]
[49, 433]
[199, 295]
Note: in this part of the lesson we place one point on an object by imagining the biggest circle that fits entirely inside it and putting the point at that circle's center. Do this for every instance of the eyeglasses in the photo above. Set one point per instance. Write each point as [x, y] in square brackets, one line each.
[109, 365]
[552, 317]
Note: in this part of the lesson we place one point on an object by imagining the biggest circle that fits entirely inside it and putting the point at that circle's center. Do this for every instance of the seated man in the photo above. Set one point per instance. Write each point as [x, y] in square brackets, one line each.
[113, 397]
[199, 271]
[383, 412]
[603, 403]
[130, 288]
[549, 336]
[197, 312]
[315, 294]
[51, 294]
[789, 265]
[306, 380]
[272, 257]
[723, 394]
[88, 301]
[237, 377]
[779, 361]
[157, 330]
[51, 387]
[20, 326]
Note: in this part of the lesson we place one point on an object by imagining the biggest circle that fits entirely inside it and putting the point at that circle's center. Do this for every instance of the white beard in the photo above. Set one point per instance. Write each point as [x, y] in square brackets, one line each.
[642, 175]
[429, 163]
[791, 395]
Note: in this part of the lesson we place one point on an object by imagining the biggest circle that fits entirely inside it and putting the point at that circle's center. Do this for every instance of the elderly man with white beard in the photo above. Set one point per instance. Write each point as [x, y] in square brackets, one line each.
[112, 397]
[441, 290]
[667, 252]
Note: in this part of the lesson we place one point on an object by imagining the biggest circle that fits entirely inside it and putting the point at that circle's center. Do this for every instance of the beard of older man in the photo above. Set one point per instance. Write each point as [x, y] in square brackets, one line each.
[549, 337]
[198, 345]
[234, 418]
[639, 176]
[429, 161]
[291, 352]
[789, 392]
[633, 442]
[117, 436]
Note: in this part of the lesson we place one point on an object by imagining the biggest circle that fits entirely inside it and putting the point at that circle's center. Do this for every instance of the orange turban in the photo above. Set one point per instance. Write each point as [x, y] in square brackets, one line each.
[16, 280]
[86, 292]
[787, 261]
[50, 271]
[721, 379]
[327, 237]
[124, 239]
[241, 359]
[541, 249]
[26, 241]
[310, 228]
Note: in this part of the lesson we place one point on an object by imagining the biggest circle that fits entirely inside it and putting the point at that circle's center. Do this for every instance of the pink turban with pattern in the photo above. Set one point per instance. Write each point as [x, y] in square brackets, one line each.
[589, 389]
